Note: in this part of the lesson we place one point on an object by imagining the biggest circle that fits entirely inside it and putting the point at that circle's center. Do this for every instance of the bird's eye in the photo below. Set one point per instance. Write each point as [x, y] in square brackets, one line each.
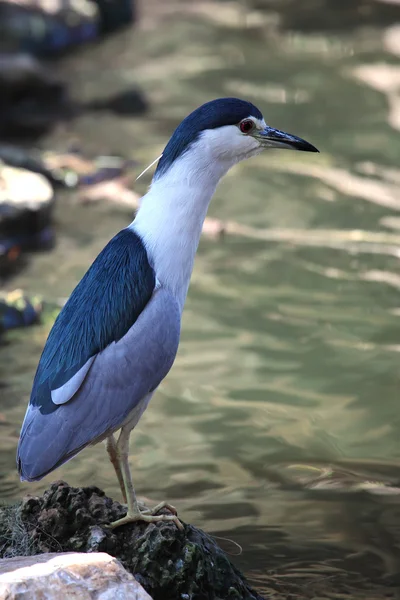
[246, 126]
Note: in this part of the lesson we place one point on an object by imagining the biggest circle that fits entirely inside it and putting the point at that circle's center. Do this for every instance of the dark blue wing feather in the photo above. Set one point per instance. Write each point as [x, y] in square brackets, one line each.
[102, 308]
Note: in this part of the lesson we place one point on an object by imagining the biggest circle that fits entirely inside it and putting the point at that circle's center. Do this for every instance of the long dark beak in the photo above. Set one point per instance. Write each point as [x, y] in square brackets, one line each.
[274, 138]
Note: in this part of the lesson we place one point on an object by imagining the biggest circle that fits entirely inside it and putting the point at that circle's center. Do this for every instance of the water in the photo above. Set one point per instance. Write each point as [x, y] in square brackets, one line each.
[278, 426]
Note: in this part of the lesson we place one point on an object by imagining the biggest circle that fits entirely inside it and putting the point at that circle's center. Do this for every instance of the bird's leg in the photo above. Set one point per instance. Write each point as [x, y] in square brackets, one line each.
[111, 446]
[134, 513]
[112, 450]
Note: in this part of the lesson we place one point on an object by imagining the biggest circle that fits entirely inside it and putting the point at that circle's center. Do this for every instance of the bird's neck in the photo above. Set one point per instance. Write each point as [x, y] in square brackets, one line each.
[171, 216]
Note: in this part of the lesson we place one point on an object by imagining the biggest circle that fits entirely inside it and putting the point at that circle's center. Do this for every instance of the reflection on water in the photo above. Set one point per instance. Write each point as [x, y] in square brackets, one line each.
[279, 424]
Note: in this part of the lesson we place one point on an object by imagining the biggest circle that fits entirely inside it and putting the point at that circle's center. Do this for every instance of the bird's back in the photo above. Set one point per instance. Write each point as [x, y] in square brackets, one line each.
[113, 342]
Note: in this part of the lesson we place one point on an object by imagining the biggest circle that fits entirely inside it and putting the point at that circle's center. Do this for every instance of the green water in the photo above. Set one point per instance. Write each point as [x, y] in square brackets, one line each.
[278, 426]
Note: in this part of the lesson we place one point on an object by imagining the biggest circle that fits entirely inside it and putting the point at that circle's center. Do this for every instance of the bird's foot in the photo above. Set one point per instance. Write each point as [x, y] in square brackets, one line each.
[149, 515]
[158, 507]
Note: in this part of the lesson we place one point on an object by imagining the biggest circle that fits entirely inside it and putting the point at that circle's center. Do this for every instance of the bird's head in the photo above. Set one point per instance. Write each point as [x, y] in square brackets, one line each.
[225, 131]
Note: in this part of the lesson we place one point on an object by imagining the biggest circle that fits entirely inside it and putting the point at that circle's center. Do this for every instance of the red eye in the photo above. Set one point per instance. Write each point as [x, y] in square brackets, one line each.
[246, 126]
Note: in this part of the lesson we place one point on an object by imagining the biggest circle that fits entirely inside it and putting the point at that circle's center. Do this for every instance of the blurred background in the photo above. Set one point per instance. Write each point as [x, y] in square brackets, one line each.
[278, 426]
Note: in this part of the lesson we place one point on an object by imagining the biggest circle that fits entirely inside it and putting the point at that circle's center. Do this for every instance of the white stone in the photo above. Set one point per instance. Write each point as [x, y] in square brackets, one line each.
[23, 188]
[69, 576]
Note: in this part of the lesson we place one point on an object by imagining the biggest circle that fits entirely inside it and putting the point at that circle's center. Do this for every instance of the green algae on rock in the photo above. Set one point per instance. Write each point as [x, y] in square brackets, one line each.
[168, 563]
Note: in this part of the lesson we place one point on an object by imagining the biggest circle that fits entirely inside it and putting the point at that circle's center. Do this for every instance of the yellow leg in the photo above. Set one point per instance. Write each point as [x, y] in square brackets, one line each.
[111, 446]
[134, 513]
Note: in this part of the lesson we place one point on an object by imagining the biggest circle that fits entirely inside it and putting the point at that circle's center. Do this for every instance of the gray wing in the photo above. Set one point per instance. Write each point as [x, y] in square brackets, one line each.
[114, 383]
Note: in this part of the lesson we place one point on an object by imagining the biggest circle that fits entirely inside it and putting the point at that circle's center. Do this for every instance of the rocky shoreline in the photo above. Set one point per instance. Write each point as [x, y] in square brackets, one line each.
[167, 563]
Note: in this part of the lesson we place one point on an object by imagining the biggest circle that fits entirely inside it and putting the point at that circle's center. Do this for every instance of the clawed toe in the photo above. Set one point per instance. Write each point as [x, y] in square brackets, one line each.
[148, 517]
[162, 505]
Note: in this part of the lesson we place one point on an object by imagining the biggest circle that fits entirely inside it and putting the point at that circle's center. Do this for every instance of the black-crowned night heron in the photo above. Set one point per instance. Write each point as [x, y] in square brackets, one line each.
[117, 336]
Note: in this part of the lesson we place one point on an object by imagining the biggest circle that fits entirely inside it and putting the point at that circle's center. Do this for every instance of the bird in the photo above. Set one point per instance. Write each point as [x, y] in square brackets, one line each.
[117, 336]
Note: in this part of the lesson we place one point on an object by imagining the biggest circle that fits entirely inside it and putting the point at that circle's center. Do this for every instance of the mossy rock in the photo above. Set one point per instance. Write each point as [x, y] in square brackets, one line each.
[170, 564]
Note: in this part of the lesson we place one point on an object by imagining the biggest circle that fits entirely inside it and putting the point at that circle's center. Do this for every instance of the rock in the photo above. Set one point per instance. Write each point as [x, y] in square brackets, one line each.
[115, 14]
[129, 102]
[69, 575]
[32, 97]
[31, 160]
[16, 310]
[26, 206]
[47, 28]
[170, 564]
[23, 188]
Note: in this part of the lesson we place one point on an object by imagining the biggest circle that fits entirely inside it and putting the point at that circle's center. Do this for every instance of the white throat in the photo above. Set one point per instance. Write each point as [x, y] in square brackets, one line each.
[172, 213]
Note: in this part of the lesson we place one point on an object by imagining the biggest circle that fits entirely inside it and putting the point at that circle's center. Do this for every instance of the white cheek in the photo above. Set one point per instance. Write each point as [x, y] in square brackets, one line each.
[228, 143]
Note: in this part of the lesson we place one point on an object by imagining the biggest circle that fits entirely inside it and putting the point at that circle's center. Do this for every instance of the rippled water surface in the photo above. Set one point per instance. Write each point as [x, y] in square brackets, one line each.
[278, 426]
